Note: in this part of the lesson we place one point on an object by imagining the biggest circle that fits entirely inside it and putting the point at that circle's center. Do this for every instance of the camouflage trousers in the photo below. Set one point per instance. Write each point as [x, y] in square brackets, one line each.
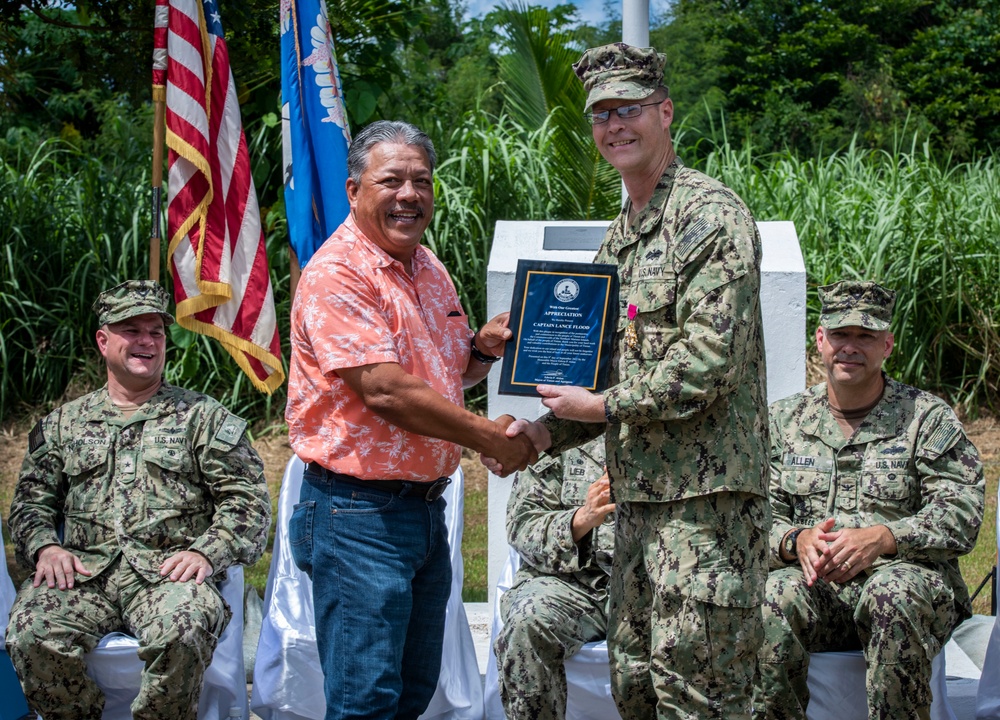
[899, 614]
[177, 625]
[684, 616]
[546, 620]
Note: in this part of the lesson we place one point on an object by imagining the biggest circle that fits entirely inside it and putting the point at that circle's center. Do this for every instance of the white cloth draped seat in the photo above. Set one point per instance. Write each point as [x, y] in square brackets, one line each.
[288, 679]
[588, 675]
[836, 679]
[115, 666]
[837, 687]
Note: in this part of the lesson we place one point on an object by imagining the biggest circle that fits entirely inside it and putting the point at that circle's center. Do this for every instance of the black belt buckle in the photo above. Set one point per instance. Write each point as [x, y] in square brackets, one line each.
[436, 489]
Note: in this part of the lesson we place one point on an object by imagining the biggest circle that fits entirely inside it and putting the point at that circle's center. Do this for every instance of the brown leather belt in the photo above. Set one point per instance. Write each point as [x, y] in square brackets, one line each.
[426, 491]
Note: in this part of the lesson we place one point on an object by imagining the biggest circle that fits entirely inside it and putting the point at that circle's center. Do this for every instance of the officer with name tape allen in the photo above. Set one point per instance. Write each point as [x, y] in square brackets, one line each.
[875, 492]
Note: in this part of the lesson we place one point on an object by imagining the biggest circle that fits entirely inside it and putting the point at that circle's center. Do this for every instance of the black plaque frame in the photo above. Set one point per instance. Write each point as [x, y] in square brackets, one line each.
[560, 338]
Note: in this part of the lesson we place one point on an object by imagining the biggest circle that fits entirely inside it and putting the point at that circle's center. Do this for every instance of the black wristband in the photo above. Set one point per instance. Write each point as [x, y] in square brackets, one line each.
[480, 355]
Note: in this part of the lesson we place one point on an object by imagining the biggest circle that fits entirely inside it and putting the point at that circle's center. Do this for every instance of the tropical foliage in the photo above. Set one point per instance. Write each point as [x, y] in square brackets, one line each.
[914, 205]
[914, 222]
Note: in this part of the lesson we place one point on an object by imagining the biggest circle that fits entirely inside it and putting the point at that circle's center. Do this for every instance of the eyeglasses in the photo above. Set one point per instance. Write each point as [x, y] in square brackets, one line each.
[624, 112]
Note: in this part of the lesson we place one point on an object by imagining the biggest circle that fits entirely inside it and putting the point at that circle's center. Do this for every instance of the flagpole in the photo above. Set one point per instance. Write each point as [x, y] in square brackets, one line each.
[294, 272]
[159, 130]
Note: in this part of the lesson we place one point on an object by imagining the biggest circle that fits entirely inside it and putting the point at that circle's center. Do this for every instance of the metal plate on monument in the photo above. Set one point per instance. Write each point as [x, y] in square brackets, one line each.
[573, 237]
[563, 316]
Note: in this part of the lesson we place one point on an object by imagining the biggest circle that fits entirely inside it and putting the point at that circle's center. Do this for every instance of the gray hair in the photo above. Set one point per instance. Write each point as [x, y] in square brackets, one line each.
[391, 131]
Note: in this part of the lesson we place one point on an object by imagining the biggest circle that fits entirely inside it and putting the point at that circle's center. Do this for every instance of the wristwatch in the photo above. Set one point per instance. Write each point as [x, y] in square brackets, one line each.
[791, 542]
[481, 356]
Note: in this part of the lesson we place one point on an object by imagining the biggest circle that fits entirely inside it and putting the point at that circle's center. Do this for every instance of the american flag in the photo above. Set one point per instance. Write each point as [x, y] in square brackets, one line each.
[217, 253]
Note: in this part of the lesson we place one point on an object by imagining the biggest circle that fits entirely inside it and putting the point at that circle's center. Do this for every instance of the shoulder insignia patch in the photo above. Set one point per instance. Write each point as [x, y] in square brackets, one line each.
[232, 430]
[36, 438]
[941, 439]
[693, 237]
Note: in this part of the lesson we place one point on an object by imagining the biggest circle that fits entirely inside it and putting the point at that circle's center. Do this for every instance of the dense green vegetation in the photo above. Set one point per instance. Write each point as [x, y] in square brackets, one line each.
[868, 125]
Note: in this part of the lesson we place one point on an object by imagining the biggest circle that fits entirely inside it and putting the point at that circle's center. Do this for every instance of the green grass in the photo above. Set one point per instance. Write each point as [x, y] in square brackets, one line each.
[911, 220]
[475, 587]
[983, 557]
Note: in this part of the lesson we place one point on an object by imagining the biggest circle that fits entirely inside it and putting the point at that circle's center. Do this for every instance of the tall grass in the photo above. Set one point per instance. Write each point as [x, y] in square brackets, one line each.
[71, 227]
[917, 223]
[492, 170]
[74, 220]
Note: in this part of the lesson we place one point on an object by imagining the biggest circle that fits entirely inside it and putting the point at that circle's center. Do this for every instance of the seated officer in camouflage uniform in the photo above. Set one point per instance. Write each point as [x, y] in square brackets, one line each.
[875, 492]
[131, 502]
[559, 600]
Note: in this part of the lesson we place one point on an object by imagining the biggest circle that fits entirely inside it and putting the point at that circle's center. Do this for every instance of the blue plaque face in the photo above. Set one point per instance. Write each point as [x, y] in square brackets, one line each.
[563, 316]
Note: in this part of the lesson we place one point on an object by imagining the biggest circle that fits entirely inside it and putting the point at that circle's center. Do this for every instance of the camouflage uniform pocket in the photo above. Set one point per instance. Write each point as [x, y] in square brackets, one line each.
[86, 466]
[172, 481]
[887, 495]
[807, 495]
[655, 315]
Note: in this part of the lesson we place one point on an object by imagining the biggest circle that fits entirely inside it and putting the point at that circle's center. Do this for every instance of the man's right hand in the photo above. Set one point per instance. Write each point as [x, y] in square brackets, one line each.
[810, 549]
[512, 452]
[57, 567]
[597, 506]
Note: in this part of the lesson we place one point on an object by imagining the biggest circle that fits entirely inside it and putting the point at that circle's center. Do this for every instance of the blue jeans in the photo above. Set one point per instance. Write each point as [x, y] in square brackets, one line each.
[381, 571]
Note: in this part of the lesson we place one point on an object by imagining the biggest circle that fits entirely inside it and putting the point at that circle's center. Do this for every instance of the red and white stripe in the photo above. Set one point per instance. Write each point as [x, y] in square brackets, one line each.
[217, 252]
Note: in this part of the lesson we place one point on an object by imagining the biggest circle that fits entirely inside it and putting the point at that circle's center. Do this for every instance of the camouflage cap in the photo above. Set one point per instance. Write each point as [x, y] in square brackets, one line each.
[849, 302]
[131, 298]
[620, 71]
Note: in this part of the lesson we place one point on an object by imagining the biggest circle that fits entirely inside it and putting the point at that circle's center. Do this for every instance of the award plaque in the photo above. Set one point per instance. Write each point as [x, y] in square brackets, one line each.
[563, 316]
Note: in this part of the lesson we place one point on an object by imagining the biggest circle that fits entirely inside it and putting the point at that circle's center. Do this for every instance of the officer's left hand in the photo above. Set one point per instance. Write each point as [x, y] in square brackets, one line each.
[573, 403]
[185, 565]
[853, 550]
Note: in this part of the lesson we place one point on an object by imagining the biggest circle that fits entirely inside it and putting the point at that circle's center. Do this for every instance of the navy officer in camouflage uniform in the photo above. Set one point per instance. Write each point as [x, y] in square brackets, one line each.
[684, 416]
[876, 491]
[560, 521]
[132, 501]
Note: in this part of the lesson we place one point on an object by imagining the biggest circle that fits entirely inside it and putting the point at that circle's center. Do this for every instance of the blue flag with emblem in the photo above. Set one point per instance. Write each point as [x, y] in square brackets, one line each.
[315, 134]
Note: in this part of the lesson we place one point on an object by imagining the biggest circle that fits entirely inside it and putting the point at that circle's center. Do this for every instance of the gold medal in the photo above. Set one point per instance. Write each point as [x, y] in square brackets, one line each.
[631, 339]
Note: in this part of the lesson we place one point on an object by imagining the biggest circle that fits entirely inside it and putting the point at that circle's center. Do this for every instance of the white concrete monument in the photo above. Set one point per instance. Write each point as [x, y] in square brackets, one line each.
[783, 307]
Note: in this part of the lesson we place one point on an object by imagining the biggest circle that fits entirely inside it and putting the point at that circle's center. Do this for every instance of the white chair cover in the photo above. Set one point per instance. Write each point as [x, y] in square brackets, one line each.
[115, 666]
[288, 680]
[837, 687]
[588, 674]
[836, 679]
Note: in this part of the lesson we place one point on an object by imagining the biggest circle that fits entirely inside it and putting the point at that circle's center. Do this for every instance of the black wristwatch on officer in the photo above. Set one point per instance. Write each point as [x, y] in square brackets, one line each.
[790, 543]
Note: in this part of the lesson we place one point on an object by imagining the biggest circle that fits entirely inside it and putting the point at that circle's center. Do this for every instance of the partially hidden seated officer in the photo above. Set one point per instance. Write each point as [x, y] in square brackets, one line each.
[560, 521]
[132, 501]
[876, 491]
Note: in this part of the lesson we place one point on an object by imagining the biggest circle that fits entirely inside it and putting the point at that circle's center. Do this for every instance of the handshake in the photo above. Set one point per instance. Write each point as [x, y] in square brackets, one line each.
[516, 445]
